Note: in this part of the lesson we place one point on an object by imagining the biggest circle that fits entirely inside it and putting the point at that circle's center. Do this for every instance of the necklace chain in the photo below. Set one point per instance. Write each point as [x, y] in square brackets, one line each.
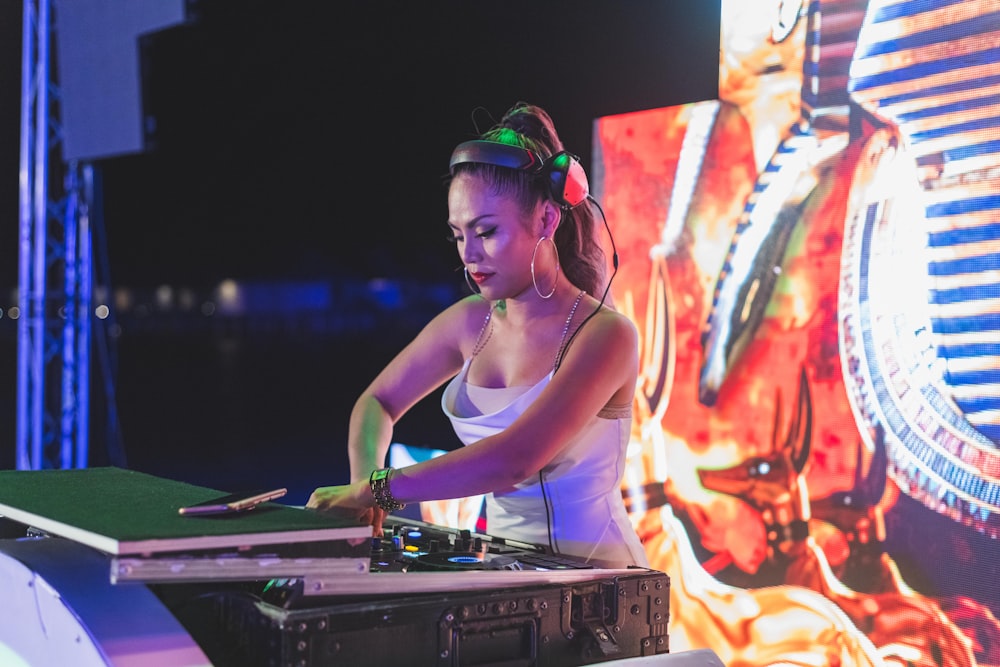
[487, 331]
[572, 312]
[480, 340]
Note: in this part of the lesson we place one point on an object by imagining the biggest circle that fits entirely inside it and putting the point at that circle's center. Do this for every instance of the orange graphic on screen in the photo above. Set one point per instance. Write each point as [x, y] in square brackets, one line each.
[826, 231]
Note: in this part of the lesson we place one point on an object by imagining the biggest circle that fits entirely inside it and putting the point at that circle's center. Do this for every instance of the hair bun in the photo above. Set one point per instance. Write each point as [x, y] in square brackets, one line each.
[533, 122]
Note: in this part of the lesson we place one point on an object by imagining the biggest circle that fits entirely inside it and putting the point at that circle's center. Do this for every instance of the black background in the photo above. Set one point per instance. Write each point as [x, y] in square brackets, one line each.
[307, 141]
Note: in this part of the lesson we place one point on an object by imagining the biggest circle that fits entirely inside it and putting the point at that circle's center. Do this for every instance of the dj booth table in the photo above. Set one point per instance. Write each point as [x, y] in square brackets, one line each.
[108, 573]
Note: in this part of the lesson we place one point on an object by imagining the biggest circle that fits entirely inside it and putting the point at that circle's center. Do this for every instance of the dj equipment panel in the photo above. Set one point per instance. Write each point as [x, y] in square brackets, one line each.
[454, 598]
[110, 573]
[596, 620]
[409, 545]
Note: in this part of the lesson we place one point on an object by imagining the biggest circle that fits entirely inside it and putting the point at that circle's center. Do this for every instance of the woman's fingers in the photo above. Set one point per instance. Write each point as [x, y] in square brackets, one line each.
[378, 516]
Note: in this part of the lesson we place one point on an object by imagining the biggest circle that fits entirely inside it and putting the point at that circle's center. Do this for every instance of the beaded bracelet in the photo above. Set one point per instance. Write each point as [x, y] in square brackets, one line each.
[379, 483]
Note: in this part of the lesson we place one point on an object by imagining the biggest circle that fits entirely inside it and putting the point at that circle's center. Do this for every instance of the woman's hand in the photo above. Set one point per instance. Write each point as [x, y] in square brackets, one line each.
[350, 501]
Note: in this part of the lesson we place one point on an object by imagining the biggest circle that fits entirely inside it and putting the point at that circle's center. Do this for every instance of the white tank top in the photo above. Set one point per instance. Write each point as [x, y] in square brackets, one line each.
[574, 505]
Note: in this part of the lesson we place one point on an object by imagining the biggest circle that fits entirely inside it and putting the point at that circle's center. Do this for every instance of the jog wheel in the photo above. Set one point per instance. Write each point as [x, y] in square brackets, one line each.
[448, 560]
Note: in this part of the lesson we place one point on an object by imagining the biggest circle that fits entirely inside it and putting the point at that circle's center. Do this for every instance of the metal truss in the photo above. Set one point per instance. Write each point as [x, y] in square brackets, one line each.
[54, 278]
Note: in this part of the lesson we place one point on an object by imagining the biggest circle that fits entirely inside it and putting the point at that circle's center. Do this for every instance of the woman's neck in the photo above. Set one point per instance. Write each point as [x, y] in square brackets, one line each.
[529, 305]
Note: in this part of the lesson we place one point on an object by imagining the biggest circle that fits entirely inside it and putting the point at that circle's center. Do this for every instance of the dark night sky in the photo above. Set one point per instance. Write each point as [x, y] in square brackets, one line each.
[10, 114]
[309, 140]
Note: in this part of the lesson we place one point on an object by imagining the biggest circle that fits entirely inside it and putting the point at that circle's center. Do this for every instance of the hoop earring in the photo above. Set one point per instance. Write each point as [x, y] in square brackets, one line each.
[533, 280]
[468, 281]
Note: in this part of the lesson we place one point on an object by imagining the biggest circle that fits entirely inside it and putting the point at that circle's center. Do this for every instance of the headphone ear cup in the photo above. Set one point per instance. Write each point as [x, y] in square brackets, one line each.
[566, 178]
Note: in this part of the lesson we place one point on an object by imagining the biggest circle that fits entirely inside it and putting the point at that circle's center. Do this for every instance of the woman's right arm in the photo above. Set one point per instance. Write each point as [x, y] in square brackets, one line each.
[369, 436]
[433, 357]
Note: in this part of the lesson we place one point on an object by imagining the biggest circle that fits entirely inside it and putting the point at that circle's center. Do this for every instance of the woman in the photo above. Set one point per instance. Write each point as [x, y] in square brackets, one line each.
[542, 373]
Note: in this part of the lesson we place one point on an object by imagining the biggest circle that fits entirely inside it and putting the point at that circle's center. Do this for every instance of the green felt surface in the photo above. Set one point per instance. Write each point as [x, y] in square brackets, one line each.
[130, 506]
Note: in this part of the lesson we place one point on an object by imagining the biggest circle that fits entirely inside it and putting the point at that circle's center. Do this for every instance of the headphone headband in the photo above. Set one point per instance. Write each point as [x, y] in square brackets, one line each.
[563, 172]
[495, 153]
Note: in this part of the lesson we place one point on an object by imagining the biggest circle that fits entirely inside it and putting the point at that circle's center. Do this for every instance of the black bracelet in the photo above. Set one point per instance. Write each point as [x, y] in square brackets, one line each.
[379, 483]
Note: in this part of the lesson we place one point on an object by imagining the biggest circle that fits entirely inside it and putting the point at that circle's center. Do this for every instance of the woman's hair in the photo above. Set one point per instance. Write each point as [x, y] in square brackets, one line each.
[580, 254]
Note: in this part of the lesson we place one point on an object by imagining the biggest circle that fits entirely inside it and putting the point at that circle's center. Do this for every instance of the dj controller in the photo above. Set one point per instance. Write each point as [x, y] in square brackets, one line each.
[408, 545]
[435, 596]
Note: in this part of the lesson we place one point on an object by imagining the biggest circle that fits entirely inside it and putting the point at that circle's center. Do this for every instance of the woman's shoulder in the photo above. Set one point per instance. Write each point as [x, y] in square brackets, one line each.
[469, 308]
[612, 322]
[601, 327]
[466, 314]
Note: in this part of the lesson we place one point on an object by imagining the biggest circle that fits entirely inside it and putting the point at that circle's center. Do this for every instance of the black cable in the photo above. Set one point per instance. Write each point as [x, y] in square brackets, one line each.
[600, 304]
[548, 512]
[614, 264]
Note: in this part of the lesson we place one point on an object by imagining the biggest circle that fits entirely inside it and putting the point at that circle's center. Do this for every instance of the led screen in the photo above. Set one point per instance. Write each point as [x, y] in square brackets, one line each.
[813, 263]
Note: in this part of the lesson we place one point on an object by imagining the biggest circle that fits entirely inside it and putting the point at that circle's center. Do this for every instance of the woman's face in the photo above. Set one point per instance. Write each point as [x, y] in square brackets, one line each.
[495, 239]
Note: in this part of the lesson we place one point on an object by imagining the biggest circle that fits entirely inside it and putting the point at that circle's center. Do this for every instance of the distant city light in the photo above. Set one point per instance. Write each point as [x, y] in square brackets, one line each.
[164, 296]
[303, 303]
[228, 296]
[228, 290]
[186, 298]
[123, 299]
